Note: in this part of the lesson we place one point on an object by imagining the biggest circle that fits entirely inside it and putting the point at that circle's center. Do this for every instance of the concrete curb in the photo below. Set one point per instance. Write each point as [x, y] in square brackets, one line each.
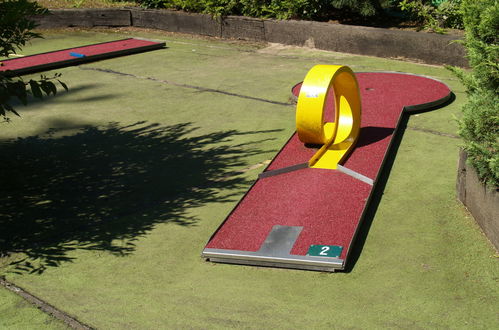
[423, 47]
[482, 202]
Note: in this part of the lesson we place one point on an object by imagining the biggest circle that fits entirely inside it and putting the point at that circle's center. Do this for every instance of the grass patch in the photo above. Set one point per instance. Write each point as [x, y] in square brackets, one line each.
[67, 4]
[20, 314]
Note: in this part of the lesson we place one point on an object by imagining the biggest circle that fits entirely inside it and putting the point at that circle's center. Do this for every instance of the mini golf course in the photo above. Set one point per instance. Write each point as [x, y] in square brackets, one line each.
[77, 55]
[306, 217]
[111, 191]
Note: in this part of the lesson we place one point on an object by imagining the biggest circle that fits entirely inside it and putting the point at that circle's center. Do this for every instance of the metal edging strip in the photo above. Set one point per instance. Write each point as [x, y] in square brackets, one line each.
[283, 170]
[355, 175]
[259, 259]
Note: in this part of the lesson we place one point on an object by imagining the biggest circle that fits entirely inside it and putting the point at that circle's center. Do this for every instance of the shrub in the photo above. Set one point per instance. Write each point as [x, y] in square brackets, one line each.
[435, 15]
[362, 7]
[187, 5]
[15, 30]
[281, 9]
[479, 126]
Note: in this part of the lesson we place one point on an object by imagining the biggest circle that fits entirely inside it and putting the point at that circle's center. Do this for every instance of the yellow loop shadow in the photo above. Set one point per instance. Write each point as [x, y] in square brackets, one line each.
[338, 138]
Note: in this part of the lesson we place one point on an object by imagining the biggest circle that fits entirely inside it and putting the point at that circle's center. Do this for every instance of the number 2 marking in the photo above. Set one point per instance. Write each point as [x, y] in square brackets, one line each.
[324, 250]
[330, 251]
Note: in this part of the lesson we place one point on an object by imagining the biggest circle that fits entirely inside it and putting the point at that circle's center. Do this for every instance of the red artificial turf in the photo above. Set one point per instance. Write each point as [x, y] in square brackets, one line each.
[327, 203]
[60, 58]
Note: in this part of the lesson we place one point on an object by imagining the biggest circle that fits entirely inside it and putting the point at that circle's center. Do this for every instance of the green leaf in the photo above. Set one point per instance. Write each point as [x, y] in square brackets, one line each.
[44, 85]
[35, 89]
[63, 85]
[11, 109]
[53, 89]
[23, 95]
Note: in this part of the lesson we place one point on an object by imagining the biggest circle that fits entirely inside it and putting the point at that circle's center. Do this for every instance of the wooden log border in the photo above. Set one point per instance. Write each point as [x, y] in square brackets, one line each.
[423, 47]
[481, 201]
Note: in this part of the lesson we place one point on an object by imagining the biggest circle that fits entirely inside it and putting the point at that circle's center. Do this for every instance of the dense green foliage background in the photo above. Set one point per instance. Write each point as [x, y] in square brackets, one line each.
[435, 15]
[302, 9]
[479, 126]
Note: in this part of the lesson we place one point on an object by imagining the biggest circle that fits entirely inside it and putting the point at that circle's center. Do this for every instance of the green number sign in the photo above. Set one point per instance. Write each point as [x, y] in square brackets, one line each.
[331, 251]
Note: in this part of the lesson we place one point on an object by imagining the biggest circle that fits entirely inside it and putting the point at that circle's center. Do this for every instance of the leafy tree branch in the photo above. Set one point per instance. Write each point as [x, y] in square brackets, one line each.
[15, 31]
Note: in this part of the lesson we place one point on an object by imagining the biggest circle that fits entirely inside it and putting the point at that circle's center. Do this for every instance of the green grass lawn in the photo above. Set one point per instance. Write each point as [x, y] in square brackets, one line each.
[20, 314]
[112, 189]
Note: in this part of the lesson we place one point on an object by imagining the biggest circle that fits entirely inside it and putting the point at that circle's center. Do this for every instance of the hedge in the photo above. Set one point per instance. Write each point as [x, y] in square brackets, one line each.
[479, 126]
[281, 9]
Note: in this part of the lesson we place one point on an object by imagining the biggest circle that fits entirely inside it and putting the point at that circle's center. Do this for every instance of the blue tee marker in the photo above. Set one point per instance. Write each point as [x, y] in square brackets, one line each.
[76, 54]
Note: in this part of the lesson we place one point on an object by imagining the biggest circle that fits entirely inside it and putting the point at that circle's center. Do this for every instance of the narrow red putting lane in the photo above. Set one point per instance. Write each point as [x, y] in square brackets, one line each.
[62, 58]
[326, 205]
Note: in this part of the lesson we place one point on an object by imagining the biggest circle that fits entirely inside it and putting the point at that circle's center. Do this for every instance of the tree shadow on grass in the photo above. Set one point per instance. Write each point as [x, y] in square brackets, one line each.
[103, 188]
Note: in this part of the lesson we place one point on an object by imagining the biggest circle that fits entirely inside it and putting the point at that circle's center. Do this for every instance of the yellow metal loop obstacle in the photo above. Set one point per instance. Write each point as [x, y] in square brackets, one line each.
[339, 137]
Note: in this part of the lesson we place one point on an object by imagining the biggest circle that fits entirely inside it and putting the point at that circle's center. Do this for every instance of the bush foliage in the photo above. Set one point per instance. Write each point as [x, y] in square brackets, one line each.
[15, 30]
[435, 15]
[281, 9]
[479, 126]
